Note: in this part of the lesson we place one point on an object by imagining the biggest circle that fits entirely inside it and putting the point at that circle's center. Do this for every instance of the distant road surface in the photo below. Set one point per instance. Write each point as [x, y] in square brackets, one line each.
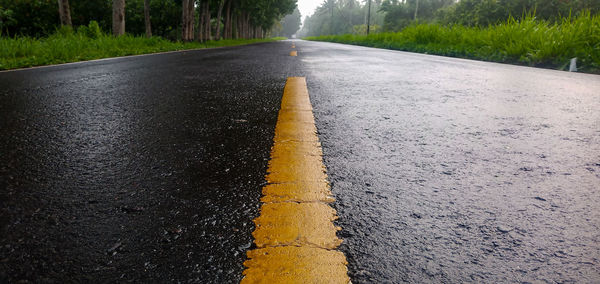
[150, 168]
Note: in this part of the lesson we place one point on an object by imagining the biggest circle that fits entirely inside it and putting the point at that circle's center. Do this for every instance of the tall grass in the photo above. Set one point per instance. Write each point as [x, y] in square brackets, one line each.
[528, 41]
[90, 43]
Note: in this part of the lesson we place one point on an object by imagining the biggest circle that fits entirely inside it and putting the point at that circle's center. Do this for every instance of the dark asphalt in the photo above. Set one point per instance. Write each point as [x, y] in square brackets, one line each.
[149, 169]
[145, 169]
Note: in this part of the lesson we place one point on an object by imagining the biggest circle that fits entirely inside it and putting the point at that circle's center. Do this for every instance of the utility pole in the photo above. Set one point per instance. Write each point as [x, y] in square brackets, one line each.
[369, 18]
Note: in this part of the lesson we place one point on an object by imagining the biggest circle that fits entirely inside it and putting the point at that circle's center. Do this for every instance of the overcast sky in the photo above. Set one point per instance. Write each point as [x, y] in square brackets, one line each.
[307, 7]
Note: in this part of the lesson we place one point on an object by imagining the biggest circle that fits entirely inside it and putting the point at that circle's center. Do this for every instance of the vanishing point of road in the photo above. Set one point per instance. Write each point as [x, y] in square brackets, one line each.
[443, 170]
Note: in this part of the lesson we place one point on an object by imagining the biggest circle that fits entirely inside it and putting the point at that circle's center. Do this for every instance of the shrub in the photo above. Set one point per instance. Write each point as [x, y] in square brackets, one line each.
[527, 41]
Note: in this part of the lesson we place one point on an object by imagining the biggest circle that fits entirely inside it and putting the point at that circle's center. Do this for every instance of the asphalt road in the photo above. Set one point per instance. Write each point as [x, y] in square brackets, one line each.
[149, 169]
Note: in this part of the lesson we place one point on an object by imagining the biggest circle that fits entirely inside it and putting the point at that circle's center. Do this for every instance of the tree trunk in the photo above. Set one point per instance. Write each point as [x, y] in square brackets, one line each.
[416, 9]
[187, 20]
[118, 17]
[191, 18]
[207, 23]
[147, 18]
[247, 26]
[184, 20]
[218, 32]
[243, 32]
[199, 33]
[369, 18]
[237, 26]
[64, 12]
[227, 33]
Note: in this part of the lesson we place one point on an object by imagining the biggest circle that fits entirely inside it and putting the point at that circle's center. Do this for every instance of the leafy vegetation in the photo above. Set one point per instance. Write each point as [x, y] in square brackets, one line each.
[39, 32]
[526, 41]
[227, 18]
[335, 17]
[88, 43]
[487, 12]
[289, 25]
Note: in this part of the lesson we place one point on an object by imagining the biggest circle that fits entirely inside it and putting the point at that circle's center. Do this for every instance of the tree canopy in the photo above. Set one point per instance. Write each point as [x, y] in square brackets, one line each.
[290, 24]
[41, 17]
[342, 17]
[335, 17]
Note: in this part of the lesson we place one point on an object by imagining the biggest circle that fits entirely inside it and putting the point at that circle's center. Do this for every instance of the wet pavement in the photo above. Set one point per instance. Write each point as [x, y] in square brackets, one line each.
[150, 169]
[452, 171]
[144, 169]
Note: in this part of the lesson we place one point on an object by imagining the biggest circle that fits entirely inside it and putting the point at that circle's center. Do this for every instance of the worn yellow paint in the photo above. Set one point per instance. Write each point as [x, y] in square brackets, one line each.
[294, 53]
[289, 264]
[295, 236]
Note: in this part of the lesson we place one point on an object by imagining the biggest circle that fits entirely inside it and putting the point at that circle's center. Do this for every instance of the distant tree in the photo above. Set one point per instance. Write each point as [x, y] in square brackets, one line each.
[291, 23]
[31, 18]
[6, 20]
[118, 17]
[218, 18]
[187, 20]
[219, 14]
[64, 12]
[147, 21]
[487, 12]
[399, 14]
[341, 17]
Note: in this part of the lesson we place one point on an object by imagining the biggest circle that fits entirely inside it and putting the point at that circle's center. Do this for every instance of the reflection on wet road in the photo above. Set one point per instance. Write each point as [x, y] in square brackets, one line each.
[450, 170]
[150, 169]
[144, 169]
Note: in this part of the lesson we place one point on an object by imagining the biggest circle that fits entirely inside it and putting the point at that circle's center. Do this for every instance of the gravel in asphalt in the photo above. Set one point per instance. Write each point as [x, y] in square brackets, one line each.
[150, 169]
[450, 171]
[137, 169]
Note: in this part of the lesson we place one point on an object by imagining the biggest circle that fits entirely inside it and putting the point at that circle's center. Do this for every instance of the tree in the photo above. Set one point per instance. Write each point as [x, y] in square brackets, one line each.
[219, 13]
[342, 17]
[147, 18]
[64, 12]
[399, 14]
[228, 28]
[118, 17]
[187, 21]
[291, 24]
[164, 18]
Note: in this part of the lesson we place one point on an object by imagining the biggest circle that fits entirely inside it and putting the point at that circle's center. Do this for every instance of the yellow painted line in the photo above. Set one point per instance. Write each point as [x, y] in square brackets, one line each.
[295, 236]
[294, 53]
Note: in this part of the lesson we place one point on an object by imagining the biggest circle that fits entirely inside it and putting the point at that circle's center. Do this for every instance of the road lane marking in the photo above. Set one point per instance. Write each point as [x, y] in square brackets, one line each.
[295, 236]
[294, 53]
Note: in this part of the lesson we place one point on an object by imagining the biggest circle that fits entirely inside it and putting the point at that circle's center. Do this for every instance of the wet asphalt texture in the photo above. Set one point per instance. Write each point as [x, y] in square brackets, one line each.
[451, 171]
[143, 169]
[149, 169]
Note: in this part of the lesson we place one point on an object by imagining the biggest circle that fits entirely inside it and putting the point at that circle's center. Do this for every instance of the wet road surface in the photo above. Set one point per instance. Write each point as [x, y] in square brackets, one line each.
[452, 171]
[137, 169]
[444, 170]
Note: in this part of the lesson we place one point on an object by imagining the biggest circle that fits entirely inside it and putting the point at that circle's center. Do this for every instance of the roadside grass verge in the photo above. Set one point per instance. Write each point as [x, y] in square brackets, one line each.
[527, 42]
[89, 43]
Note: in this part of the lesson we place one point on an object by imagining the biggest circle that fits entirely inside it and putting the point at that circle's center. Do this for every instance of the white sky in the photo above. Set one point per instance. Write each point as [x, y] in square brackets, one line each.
[307, 7]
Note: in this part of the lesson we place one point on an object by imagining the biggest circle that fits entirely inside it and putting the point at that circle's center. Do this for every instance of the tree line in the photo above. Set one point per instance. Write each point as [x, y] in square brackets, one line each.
[289, 25]
[342, 17]
[185, 20]
[334, 17]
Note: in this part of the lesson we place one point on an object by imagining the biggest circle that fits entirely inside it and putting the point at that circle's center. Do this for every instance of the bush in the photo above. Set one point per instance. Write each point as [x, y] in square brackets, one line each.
[528, 41]
[89, 43]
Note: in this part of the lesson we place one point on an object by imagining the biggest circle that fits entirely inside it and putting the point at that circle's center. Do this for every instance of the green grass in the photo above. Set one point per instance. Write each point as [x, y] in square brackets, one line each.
[527, 42]
[87, 44]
